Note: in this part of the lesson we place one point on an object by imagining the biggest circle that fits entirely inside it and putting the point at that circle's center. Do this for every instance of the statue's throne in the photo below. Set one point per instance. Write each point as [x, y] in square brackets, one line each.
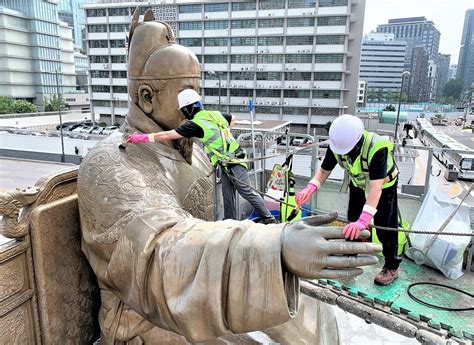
[48, 292]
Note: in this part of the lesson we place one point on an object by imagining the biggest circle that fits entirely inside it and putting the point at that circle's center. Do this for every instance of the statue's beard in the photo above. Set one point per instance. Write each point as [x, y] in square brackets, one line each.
[185, 147]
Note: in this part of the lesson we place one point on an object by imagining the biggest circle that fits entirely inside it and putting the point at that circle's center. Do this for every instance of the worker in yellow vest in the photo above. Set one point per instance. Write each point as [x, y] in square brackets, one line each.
[367, 160]
[213, 129]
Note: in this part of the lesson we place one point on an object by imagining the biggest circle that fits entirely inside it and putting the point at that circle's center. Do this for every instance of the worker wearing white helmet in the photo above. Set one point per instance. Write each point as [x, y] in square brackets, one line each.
[213, 129]
[372, 175]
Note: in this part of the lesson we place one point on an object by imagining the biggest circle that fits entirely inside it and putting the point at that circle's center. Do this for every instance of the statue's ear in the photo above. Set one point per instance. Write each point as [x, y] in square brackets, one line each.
[145, 99]
[134, 22]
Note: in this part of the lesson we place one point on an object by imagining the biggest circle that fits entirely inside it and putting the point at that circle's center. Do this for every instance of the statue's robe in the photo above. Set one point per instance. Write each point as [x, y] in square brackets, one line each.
[167, 273]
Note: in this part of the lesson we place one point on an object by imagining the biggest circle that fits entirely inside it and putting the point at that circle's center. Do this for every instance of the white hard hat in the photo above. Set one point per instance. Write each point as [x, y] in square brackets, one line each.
[344, 133]
[187, 97]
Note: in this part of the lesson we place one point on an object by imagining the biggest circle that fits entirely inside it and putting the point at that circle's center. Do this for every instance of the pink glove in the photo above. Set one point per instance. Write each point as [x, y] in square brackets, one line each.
[352, 230]
[136, 138]
[303, 196]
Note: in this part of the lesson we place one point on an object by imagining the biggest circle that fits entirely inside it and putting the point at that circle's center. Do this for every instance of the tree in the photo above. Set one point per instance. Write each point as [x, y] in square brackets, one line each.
[453, 88]
[20, 106]
[371, 95]
[55, 103]
[5, 105]
[389, 108]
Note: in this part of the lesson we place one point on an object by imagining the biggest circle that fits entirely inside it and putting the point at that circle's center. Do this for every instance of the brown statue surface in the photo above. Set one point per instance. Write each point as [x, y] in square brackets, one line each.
[167, 273]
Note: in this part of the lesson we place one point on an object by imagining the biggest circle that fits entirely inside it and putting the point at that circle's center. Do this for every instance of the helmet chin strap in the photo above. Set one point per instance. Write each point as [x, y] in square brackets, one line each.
[190, 110]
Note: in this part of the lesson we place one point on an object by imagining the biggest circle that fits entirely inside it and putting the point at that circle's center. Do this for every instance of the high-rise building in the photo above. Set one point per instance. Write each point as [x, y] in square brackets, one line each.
[466, 53]
[419, 89]
[382, 61]
[452, 71]
[72, 12]
[298, 60]
[443, 73]
[34, 46]
[362, 93]
[416, 31]
[432, 79]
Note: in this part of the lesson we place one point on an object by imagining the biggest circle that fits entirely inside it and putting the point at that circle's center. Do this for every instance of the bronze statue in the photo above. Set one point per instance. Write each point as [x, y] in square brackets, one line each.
[167, 273]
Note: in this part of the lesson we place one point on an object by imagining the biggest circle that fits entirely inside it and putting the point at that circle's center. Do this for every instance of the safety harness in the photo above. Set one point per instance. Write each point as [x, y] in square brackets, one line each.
[358, 171]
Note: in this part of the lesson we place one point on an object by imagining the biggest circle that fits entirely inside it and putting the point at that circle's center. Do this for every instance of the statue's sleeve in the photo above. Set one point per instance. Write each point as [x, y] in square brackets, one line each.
[202, 279]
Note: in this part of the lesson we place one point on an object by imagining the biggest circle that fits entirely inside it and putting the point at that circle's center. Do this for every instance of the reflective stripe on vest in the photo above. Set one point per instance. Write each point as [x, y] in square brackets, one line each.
[219, 143]
[358, 171]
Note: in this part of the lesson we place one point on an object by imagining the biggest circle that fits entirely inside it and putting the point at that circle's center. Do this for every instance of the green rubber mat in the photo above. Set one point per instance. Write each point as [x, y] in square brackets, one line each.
[459, 323]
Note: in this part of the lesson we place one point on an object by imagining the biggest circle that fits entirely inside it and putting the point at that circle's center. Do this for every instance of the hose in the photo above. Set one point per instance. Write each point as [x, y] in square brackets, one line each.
[416, 299]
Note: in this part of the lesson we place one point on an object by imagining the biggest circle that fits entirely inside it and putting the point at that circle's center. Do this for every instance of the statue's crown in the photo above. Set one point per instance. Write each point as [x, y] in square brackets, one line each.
[154, 53]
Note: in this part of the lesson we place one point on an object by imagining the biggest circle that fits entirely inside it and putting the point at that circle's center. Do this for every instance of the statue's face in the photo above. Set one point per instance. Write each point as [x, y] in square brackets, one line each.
[165, 103]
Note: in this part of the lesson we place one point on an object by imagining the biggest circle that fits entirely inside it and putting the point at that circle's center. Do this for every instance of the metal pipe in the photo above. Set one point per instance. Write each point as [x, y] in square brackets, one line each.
[399, 105]
[252, 113]
[428, 172]
[60, 118]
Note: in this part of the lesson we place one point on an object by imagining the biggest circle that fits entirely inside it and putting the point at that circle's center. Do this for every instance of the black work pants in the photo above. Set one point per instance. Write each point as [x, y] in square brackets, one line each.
[387, 215]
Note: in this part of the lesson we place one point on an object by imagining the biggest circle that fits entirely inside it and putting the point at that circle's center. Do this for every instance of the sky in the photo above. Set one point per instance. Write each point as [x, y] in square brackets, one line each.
[447, 15]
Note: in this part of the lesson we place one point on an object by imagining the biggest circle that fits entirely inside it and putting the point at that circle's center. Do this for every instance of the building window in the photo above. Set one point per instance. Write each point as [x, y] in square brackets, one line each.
[241, 76]
[215, 92]
[99, 74]
[222, 75]
[328, 76]
[329, 58]
[121, 104]
[117, 44]
[295, 111]
[219, 7]
[328, 3]
[99, 59]
[241, 93]
[269, 93]
[98, 44]
[244, 6]
[270, 58]
[118, 27]
[242, 58]
[216, 25]
[270, 23]
[100, 12]
[271, 4]
[242, 41]
[298, 76]
[300, 22]
[330, 39]
[215, 58]
[272, 76]
[335, 94]
[97, 28]
[119, 89]
[270, 41]
[298, 58]
[119, 74]
[301, 3]
[190, 8]
[100, 103]
[238, 109]
[190, 26]
[296, 93]
[190, 42]
[100, 88]
[216, 42]
[243, 24]
[325, 111]
[267, 110]
[119, 59]
[330, 21]
[299, 40]
[123, 11]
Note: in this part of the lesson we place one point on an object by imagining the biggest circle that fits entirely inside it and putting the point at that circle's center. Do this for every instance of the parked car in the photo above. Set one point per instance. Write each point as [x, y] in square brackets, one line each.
[97, 130]
[85, 129]
[66, 124]
[74, 126]
[108, 130]
[78, 129]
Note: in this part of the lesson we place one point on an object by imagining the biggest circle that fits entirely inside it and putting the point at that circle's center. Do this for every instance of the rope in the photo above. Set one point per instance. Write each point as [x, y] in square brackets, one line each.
[412, 295]
[249, 160]
[409, 231]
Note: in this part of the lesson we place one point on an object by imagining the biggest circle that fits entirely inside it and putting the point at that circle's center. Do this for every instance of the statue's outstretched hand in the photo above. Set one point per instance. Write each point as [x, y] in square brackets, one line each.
[312, 251]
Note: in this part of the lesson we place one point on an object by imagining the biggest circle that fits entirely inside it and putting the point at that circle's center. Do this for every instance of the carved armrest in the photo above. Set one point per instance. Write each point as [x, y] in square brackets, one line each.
[15, 223]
